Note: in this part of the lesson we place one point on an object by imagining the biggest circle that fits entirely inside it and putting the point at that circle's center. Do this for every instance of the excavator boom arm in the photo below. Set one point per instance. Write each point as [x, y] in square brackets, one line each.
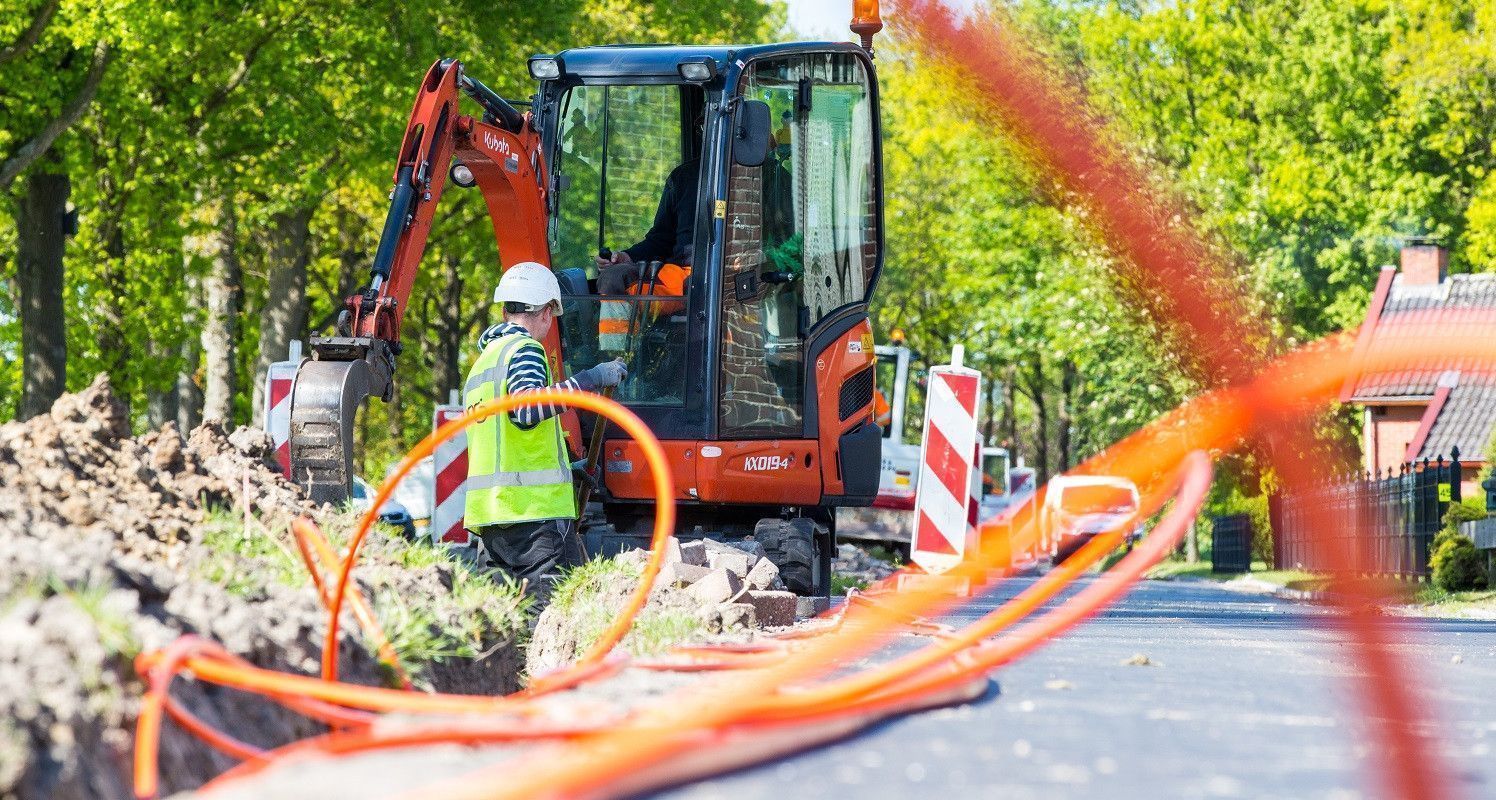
[502, 153]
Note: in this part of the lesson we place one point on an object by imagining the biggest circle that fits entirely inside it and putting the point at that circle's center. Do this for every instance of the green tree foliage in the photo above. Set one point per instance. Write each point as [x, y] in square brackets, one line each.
[1305, 139]
[281, 118]
[1456, 565]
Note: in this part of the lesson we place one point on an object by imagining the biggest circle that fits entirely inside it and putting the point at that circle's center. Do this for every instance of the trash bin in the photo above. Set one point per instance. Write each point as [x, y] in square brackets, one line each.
[1231, 548]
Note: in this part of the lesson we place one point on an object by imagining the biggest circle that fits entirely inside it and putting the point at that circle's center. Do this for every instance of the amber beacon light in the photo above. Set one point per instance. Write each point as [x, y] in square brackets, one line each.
[866, 21]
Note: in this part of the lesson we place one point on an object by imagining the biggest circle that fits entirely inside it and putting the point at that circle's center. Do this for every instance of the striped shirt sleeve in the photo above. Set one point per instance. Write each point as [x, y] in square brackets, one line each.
[527, 374]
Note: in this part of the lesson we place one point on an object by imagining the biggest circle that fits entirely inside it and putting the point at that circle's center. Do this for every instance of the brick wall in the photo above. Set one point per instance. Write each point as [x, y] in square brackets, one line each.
[644, 145]
[753, 402]
[1387, 434]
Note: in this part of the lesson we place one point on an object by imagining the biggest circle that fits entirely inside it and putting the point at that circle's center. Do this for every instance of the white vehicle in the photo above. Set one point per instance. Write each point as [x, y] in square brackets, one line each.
[887, 520]
[1077, 507]
[416, 491]
[997, 487]
[391, 513]
[899, 468]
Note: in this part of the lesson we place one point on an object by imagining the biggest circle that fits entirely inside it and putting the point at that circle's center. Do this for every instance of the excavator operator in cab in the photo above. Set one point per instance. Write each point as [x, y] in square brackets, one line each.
[668, 239]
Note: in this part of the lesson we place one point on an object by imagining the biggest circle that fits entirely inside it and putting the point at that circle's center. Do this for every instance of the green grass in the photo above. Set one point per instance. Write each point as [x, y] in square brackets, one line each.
[255, 554]
[480, 610]
[578, 595]
[841, 583]
[112, 624]
[581, 584]
[1424, 595]
[884, 554]
[1454, 602]
[1290, 578]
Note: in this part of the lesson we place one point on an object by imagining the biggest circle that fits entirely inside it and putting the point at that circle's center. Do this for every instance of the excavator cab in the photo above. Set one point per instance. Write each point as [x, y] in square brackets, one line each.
[746, 327]
[756, 370]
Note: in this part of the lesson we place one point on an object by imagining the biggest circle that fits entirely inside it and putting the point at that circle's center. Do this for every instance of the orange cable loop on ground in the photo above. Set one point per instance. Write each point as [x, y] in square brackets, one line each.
[1216, 421]
[654, 456]
[209, 662]
[601, 765]
[308, 537]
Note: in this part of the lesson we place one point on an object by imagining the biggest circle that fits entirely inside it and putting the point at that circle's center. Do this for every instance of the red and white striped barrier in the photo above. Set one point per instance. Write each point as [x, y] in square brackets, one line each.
[280, 379]
[450, 494]
[948, 458]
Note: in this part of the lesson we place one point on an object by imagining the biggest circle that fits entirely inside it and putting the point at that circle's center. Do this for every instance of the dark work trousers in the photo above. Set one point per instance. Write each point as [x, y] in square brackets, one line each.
[531, 549]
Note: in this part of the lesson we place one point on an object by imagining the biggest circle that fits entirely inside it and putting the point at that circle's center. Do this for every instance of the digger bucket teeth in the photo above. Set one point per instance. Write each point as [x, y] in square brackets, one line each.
[324, 405]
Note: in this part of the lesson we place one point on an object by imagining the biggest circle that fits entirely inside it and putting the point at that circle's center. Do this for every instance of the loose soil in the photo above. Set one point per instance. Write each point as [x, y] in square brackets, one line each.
[101, 542]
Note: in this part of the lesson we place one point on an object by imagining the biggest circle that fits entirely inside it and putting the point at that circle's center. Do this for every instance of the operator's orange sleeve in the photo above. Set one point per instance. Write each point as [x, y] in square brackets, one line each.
[613, 325]
[670, 283]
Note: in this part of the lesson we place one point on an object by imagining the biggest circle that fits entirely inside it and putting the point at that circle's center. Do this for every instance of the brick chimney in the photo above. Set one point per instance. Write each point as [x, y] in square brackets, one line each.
[1424, 262]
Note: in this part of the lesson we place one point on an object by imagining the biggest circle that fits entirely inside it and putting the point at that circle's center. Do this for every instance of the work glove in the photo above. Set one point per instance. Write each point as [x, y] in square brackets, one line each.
[608, 373]
[617, 278]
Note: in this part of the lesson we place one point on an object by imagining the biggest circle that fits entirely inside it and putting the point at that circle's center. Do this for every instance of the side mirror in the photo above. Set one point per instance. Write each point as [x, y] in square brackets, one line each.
[751, 134]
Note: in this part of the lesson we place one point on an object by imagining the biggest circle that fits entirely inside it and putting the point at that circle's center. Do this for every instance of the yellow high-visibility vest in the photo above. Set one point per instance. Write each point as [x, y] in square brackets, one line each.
[514, 475]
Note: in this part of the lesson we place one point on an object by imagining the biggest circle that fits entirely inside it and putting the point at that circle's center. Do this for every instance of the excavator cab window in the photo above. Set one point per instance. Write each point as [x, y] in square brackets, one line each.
[801, 235]
[618, 147]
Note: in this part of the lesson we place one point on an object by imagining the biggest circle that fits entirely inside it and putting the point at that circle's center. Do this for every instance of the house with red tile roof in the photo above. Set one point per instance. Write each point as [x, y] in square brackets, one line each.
[1444, 404]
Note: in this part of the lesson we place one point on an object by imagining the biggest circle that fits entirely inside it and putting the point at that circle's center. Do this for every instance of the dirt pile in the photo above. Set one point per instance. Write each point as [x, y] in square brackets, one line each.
[104, 552]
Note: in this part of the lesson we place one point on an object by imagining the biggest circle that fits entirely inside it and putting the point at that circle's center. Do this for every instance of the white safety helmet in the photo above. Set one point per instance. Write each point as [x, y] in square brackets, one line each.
[530, 283]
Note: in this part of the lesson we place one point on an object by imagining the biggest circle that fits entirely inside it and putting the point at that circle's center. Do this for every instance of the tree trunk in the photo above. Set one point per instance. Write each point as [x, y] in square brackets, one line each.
[1066, 418]
[39, 276]
[1010, 410]
[395, 417]
[1041, 419]
[161, 405]
[187, 400]
[994, 411]
[110, 334]
[285, 315]
[221, 327]
[447, 372]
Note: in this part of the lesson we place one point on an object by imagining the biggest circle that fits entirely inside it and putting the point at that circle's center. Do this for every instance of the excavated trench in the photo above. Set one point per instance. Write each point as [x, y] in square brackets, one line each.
[107, 550]
[112, 545]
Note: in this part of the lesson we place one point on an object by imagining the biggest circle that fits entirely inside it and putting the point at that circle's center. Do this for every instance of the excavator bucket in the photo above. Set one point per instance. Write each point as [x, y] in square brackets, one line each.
[324, 406]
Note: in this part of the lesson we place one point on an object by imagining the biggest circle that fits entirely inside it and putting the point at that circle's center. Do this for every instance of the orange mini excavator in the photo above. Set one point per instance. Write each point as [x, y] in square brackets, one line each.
[756, 369]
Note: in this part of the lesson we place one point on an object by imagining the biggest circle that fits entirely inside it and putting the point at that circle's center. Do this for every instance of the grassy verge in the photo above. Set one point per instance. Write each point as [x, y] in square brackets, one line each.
[1424, 597]
[841, 584]
[427, 618]
[1454, 604]
[1288, 578]
[588, 597]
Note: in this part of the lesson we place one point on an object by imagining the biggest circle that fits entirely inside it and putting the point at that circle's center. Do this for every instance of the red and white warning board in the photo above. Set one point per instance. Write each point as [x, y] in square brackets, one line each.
[280, 378]
[947, 463]
[451, 467]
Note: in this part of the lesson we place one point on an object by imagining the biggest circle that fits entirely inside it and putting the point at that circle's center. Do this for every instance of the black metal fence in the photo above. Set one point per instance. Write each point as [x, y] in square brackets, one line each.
[1396, 515]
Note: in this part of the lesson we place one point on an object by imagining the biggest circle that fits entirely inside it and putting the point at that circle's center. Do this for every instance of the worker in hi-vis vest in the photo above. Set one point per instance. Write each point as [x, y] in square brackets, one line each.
[520, 498]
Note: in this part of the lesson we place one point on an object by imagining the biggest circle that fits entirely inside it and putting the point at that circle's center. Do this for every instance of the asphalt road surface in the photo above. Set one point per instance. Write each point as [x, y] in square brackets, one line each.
[1248, 697]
